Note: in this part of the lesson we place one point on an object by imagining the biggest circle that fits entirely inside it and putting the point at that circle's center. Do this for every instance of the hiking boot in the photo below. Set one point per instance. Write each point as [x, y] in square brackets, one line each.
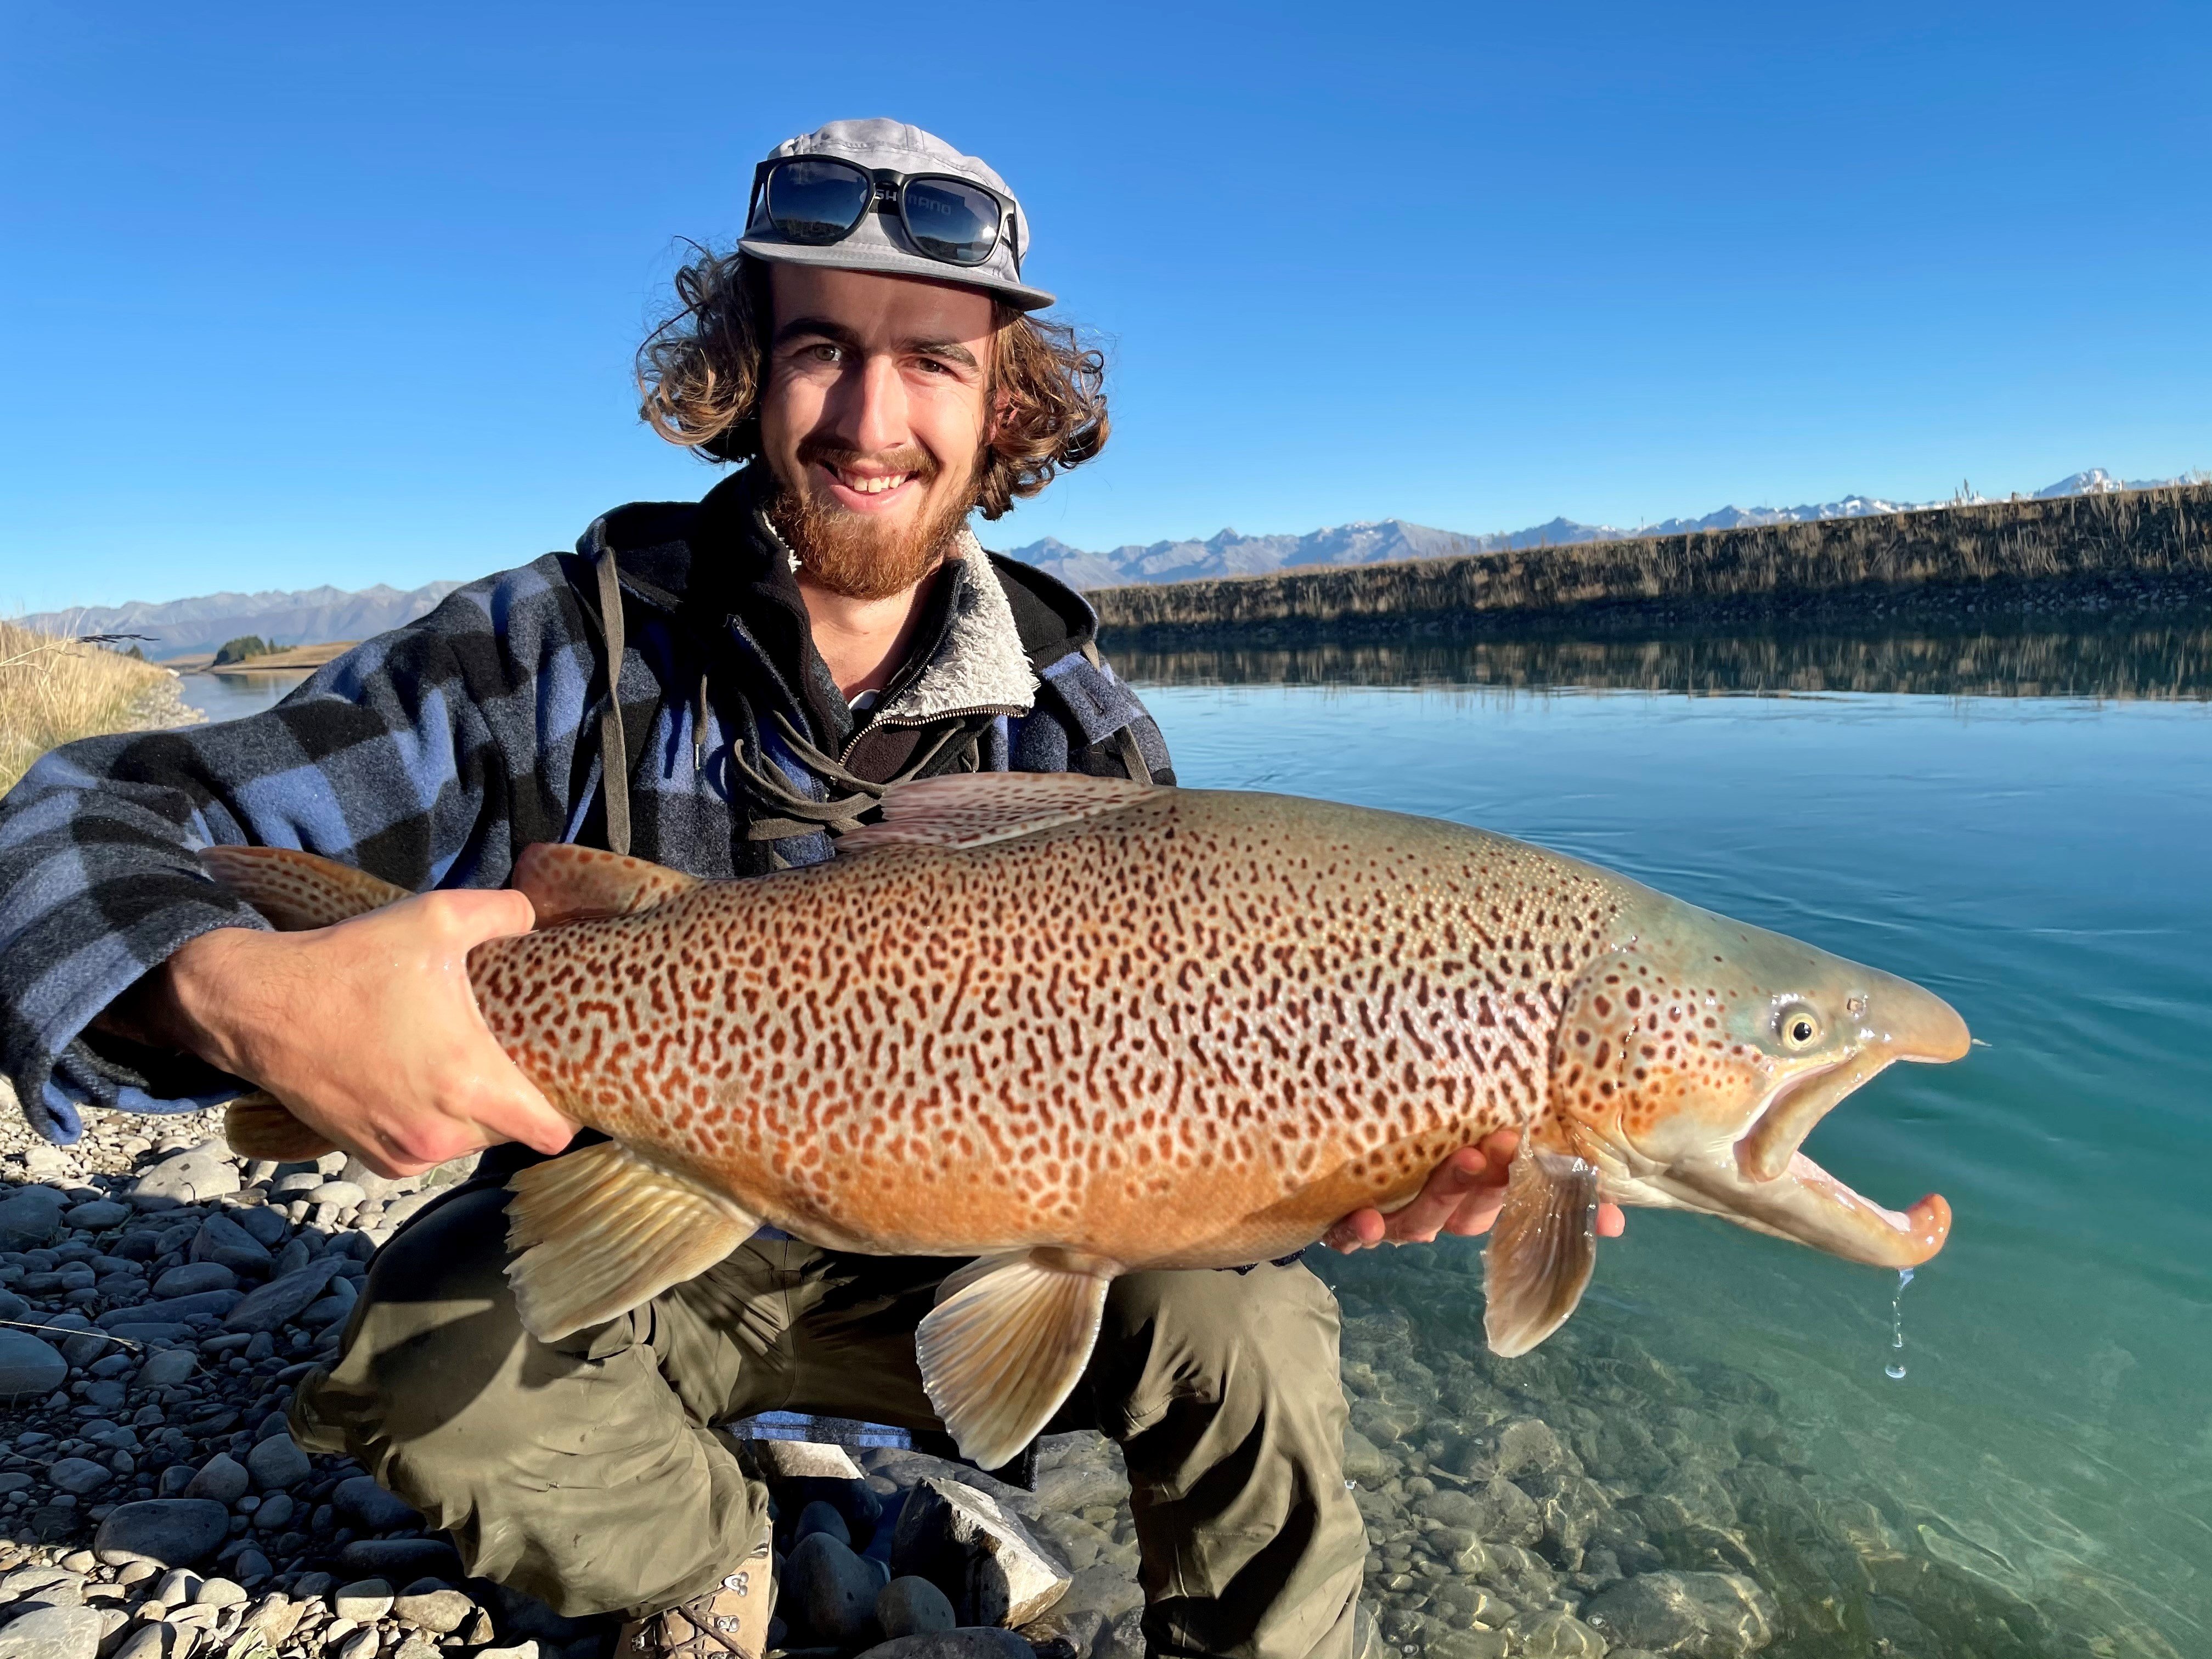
[730, 1621]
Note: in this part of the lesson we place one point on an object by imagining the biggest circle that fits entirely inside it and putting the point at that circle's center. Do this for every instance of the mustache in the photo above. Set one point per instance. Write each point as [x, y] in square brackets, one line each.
[908, 457]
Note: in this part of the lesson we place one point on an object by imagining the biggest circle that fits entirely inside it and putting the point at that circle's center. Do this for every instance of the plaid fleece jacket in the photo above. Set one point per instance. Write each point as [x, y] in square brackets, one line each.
[432, 755]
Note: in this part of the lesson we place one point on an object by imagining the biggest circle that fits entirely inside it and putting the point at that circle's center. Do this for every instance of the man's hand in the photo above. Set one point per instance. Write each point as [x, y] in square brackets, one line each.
[1462, 1196]
[367, 1030]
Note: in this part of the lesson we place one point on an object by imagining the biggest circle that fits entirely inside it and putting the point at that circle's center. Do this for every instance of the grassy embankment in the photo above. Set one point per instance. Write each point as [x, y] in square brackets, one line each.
[56, 690]
[2138, 551]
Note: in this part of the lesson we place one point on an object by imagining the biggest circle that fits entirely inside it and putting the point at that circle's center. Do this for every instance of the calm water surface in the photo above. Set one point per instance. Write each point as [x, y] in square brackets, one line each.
[230, 696]
[2041, 864]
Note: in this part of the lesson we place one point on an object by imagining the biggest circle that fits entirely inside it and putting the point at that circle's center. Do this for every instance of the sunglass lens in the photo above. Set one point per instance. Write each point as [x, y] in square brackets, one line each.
[950, 221]
[817, 202]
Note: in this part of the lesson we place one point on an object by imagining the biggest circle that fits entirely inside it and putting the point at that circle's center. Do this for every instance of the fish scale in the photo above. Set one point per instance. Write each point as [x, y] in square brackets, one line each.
[1074, 1027]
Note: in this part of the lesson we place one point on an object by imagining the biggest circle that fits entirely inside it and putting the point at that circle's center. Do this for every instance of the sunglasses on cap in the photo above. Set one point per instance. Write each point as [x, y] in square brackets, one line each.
[815, 201]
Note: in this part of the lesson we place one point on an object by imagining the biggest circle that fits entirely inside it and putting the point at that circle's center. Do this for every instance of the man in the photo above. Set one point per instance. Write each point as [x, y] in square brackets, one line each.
[723, 686]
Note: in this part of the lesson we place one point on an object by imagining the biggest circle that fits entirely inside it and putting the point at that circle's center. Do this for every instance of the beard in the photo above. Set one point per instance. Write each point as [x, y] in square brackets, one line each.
[857, 554]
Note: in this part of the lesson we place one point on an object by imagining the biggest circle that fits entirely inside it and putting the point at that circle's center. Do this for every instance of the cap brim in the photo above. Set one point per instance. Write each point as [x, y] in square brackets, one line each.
[852, 254]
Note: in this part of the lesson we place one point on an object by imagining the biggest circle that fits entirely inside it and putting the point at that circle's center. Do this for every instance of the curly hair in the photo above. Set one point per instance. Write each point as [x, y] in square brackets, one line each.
[700, 375]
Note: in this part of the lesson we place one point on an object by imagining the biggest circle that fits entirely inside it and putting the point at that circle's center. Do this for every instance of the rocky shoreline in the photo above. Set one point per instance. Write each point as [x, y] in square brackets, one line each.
[161, 1299]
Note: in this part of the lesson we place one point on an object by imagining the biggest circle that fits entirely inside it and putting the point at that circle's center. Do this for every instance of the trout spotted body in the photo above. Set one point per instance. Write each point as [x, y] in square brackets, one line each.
[1076, 1027]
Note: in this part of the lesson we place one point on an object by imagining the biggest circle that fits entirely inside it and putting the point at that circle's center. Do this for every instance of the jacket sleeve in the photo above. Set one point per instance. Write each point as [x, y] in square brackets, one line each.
[427, 756]
[1088, 719]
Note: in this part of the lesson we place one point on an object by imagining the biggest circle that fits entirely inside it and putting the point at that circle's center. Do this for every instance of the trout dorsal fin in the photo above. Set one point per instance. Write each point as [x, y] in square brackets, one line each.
[1542, 1249]
[297, 891]
[566, 883]
[972, 808]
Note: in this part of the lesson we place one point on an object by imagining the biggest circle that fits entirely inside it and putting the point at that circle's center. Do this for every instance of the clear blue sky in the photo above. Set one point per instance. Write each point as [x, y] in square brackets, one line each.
[305, 293]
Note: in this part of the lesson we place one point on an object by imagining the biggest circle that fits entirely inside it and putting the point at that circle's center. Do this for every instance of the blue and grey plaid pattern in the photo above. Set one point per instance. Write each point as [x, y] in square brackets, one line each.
[431, 756]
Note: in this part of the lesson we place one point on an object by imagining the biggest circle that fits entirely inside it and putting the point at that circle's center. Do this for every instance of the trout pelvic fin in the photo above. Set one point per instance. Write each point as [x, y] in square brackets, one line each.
[1007, 1344]
[972, 808]
[297, 891]
[258, 1126]
[1542, 1249]
[597, 1232]
[565, 883]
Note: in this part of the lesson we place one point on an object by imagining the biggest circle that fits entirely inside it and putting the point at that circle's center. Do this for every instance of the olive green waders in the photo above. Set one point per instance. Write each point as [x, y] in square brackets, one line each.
[586, 1471]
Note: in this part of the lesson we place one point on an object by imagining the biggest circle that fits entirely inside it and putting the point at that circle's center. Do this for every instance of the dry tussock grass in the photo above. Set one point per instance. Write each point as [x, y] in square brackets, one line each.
[2132, 535]
[54, 690]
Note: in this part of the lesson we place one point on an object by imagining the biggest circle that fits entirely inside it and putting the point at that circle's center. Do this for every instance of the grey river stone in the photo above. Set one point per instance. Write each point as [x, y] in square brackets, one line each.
[283, 1297]
[175, 1310]
[79, 1476]
[1697, 1615]
[52, 1633]
[369, 1507]
[29, 1365]
[831, 1590]
[29, 1218]
[912, 1607]
[171, 1532]
[97, 1215]
[184, 1178]
[277, 1462]
[222, 1479]
[194, 1277]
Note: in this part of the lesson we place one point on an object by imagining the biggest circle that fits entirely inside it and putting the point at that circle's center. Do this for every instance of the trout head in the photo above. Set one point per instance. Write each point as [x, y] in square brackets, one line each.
[1689, 1063]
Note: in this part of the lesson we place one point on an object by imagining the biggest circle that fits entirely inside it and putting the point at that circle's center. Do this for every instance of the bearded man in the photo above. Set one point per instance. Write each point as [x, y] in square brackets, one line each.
[723, 686]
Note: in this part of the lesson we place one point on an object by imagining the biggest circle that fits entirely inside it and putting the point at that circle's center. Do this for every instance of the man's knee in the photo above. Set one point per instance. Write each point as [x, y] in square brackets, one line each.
[1268, 1334]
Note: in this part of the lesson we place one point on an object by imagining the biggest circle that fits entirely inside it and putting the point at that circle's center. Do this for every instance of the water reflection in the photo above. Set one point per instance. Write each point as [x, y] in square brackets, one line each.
[2157, 661]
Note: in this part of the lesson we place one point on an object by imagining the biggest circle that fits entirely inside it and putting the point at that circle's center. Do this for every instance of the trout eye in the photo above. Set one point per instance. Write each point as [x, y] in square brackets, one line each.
[1798, 1025]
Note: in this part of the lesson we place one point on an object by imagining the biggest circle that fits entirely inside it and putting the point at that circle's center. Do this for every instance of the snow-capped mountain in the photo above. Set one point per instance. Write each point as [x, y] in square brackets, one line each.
[1374, 542]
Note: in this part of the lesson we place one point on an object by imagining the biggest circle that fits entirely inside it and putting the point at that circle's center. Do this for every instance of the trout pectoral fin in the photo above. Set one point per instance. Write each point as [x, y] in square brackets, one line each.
[258, 1126]
[566, 883]
[1541, 1249]
[597, 1232]
[1006, 1344]
[295, 891]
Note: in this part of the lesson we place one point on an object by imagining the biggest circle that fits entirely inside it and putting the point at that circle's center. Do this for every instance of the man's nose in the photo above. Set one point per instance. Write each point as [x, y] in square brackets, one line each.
[871, 407]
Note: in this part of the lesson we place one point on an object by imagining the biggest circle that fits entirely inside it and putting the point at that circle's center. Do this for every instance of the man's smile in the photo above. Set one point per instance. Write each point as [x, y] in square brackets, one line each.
[862, 489]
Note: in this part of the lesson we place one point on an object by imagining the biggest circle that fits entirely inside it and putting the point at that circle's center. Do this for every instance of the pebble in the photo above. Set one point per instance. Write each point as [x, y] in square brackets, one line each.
[166, 1367]
[79, 1474]
[170, 1531]
[222, 1477]
[821, 1518]
[30, 1217]
[277, 1462]
[830, 1591]
[365, 1600]
[441, 1612]
[372, 1508]
[282, 1298]
[912, 1607]
[1701, 1615]
[52, 1633]
[29, 1365]
[362, 1644]
[183, 1178]
[219, 1593]
[194, 1277]
[96, 1215]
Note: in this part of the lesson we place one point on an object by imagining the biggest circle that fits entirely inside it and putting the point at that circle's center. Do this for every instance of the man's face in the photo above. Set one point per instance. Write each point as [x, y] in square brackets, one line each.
[873, 421]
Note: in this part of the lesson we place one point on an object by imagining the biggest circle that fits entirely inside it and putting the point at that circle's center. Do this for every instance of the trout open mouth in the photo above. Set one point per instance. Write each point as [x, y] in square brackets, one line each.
[1772, 1187]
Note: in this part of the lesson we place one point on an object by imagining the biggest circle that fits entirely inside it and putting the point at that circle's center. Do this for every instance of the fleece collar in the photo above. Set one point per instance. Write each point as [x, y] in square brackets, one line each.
[977, 665]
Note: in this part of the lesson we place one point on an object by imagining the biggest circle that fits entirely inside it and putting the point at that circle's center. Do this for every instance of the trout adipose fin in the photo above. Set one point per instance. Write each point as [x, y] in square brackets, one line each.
[1007, 1343]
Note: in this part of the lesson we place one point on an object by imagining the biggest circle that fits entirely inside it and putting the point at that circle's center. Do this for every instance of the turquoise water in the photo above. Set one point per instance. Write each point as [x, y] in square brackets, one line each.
[2041, 864]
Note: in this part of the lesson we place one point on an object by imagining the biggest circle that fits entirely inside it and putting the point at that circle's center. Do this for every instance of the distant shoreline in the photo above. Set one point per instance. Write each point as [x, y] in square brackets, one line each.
[299, 658]
[2144, 551]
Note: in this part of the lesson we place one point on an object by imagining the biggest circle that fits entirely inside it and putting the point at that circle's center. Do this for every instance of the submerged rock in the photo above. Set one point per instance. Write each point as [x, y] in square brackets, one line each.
[1697, 1615]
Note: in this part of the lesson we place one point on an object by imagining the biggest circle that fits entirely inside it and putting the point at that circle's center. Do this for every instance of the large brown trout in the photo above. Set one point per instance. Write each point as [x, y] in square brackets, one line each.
[1074, 1027]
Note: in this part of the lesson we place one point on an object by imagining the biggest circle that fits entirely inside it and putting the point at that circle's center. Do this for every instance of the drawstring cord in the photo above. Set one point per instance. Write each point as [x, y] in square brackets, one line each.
[614, 754]
[801, 814]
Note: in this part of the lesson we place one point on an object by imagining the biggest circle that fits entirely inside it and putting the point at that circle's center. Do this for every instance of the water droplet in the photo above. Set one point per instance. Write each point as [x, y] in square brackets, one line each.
[1895, 1369]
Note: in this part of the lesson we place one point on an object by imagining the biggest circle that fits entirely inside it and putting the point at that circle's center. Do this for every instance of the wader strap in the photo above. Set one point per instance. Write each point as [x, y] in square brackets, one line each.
[614, 758]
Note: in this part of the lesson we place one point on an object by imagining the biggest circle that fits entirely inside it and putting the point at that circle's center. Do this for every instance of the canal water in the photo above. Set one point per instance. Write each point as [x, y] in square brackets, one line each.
[2039, 1480]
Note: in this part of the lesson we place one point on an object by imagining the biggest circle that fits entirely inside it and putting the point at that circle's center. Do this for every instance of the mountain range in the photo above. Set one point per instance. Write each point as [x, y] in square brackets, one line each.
[180, 628]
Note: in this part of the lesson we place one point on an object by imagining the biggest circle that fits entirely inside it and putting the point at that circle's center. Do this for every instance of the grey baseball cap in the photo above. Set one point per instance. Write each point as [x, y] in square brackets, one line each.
[879, 241]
